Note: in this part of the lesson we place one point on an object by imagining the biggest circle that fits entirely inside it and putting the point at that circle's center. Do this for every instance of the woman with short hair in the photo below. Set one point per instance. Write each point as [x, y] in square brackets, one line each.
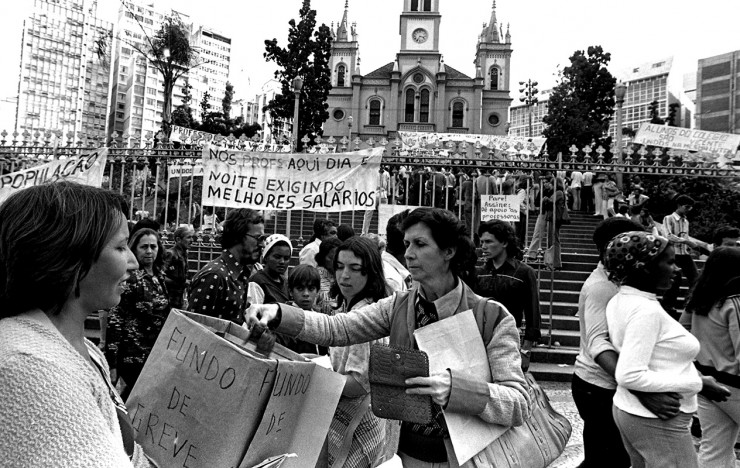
[63, 255]
[438, 252]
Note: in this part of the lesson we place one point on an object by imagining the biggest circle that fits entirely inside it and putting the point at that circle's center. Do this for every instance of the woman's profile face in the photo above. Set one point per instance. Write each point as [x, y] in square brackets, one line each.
[663, 269]
[101, 288]
[146, 250]
[350, 274]
[424, 259]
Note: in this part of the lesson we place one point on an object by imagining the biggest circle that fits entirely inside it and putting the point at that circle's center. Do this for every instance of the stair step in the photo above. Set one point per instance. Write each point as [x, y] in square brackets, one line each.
[571, 338]
[560, 322]
[547, 372]
[555, 354]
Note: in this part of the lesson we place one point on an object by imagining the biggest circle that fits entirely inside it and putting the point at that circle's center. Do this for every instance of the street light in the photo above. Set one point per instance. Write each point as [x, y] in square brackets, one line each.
[529, 98]
[349, 132]
[619, 92]
[297, 86]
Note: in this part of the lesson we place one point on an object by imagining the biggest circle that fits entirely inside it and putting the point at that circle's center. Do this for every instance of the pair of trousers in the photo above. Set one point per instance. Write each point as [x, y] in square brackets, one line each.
[587, 198]
[576, 198]
[598, 199]
[720, 424]
[688, 269]
[602, 443]
[411, 462]
[552, 236]
[657, 443]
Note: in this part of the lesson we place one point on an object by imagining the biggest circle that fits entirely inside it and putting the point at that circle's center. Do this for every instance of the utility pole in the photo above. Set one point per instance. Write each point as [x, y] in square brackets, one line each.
[529, 98]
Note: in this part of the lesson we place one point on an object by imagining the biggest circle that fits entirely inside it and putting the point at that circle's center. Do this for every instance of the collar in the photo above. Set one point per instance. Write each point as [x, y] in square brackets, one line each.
[629, 290]
[509, 261]
[233, 266]
[677, 216]
[447, 304]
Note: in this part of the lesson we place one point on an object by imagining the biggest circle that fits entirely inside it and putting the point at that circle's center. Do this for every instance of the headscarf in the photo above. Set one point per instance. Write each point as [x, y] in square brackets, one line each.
[271, 241]
[631, 251]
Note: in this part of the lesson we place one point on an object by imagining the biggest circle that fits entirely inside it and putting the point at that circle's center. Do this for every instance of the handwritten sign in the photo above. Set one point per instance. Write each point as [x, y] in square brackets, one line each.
[86, 169]
[183, 134]
[503, 207]
[412, 140]
[185, 171]
[717, 147]
[336, 182]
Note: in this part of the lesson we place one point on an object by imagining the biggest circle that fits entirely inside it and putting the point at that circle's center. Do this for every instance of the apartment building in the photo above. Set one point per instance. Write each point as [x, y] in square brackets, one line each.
[717, 93]
[519, 117]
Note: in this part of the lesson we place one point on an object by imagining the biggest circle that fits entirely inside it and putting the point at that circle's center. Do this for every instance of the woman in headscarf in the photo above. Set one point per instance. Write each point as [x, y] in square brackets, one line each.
[656, 353]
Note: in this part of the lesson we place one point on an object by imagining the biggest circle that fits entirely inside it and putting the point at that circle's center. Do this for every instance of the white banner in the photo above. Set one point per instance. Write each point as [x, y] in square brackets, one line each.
[413, 140]
[387, 211]
[185, 171]
[275, 181]
[183, 134]
[503, 207]
[86, 169]
[713, 146]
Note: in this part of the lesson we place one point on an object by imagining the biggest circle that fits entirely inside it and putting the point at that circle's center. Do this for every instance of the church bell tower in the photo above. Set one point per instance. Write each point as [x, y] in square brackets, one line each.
[419, 26]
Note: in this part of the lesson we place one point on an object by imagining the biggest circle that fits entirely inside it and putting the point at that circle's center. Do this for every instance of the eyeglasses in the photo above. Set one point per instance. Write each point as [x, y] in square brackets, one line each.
[260, 239]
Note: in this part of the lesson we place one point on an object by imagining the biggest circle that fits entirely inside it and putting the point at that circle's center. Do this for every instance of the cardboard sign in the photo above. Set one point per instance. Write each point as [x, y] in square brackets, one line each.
[503, 207]
[455, 343]
[185, 171]
[713, 146]
[204, 396]
[183, 134]
[275, 181]
[86, 169]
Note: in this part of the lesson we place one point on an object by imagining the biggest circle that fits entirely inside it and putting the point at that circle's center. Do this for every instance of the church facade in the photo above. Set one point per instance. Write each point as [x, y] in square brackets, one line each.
[418, 91]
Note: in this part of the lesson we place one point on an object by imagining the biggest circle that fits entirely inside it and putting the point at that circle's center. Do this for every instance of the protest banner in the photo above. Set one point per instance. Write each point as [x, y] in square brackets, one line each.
[185, 171]
[183, 134]
[274, 181]
[86, 169]
[502, 207]
[712, 146]
[205, 399]
[413, 140]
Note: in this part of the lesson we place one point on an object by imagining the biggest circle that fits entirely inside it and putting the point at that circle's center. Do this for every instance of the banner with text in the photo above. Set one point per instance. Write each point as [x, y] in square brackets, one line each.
[183, 134]
[185, 171]
[502, 207]
[413, 140]
[713, 146]
[86, 169]
[274, 181]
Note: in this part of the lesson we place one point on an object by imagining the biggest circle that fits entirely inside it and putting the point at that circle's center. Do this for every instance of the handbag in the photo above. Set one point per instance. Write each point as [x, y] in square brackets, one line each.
[390, 366]
[536, 443]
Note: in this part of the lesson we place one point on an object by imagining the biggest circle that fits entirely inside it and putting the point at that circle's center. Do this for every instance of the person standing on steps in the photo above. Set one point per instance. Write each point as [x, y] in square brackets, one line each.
[676, 227]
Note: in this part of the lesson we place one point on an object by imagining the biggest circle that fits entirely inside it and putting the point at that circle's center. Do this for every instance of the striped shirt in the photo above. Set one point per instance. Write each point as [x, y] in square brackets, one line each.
[678, 226]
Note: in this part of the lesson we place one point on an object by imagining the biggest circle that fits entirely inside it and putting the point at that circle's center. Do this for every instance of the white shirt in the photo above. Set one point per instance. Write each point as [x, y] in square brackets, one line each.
[307, 256]
[588, 179]
[395, 273]
[656, 353]
[576, 179]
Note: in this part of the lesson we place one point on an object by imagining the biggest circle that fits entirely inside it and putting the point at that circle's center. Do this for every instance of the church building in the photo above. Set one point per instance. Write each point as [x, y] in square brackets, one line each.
[418, 91]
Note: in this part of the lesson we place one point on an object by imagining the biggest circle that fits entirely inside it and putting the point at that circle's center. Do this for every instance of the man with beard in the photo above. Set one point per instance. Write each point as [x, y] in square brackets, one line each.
[220, 289]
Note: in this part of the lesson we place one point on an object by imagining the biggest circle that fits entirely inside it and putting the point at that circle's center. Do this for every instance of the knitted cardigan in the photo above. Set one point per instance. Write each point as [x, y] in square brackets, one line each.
[56, 409]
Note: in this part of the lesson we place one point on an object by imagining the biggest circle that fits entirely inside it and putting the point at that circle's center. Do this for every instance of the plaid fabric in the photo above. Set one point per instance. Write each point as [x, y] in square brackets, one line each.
[426, 313]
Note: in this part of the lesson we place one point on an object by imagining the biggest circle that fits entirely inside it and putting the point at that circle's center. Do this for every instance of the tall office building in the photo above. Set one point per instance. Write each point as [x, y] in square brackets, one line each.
[519, 117]
[64, 71]
[137, 96]
[717, 93]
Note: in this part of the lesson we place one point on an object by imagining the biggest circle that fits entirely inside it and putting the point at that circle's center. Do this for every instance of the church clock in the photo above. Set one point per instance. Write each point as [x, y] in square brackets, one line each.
[420, 35]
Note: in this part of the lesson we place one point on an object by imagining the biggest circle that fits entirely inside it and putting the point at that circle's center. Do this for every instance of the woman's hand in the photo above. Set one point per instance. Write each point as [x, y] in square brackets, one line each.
[437, 386]
[260, 313]
[712, 390]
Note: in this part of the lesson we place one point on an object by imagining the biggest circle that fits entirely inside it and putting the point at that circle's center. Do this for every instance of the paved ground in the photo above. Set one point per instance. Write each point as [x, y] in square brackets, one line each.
[562, 401]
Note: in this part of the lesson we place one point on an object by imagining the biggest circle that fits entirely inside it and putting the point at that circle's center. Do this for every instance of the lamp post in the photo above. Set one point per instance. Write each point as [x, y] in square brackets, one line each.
[349, 132]
[529, 98]
[619, 92]
[297, 86]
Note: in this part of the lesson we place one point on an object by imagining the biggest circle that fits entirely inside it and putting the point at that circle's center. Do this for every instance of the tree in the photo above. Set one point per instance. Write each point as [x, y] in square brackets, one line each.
[654, 113]
[672, 111]
[205, 105]
[307, 55]
[582, 104]
[183, 114]
[226, 101]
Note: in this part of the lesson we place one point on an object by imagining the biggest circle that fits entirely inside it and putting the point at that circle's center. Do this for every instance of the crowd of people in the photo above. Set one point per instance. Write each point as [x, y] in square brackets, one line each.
[641, 375]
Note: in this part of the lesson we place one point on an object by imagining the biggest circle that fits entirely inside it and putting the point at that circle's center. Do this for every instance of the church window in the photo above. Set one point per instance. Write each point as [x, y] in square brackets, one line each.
[424, 107]
[338, 114]
[414, 5]
[418, 78]
[374, 112]
[340, 76]
[410, 97]
[494, 78]
[427, 5]
[494, 120]
[458, 114]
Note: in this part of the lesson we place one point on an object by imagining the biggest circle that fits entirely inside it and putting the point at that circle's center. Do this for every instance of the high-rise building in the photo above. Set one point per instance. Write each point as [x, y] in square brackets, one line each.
[519, 117]
[654, 81]
[137, 96]
[718, 93]
[64, 72]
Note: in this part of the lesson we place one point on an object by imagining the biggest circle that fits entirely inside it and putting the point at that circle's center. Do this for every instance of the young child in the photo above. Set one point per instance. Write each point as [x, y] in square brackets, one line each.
[303, 283]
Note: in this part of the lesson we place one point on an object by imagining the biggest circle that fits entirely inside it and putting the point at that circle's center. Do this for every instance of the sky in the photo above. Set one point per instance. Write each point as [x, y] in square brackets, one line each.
[544, 33]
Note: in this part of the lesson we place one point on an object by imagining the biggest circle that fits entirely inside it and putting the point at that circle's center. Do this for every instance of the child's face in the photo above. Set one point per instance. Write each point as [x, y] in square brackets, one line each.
[304, 296]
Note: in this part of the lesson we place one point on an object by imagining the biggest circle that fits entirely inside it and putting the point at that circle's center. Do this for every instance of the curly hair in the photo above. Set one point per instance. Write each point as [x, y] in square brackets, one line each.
[237, 225]
[448, 232]
[50, 236]
[133, 242]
